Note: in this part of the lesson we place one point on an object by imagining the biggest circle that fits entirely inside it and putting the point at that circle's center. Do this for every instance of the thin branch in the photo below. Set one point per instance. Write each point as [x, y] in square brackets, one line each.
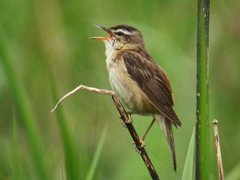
[218, 150]
[126, 118]
[91, 89]
[138, 142]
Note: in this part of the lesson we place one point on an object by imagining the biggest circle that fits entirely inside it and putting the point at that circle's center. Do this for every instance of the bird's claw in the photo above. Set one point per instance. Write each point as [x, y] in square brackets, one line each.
[138, 147]
[128, 121]
[129, 118]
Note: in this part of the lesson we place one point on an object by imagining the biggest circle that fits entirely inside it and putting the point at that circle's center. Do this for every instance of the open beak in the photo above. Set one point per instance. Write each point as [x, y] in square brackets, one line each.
[105, 29]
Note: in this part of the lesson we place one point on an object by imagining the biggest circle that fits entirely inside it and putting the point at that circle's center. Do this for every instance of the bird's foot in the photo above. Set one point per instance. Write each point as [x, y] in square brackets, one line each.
[139, 146]
[129, 118]
[142, 143]
[126, 121]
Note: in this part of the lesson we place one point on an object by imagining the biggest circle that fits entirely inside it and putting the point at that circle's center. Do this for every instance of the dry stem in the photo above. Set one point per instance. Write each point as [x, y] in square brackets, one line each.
[126, 120]
[91, 89]
[218, 150]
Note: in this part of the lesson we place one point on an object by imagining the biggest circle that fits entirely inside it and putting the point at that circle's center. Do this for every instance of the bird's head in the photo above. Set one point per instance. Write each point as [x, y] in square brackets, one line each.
[121, 37]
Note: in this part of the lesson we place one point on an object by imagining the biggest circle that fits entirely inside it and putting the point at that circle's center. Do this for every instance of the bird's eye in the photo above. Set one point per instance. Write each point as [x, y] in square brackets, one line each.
[119, 33]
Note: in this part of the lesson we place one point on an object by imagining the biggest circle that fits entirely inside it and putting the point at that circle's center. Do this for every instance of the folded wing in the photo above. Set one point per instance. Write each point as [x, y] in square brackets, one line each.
[153, 82]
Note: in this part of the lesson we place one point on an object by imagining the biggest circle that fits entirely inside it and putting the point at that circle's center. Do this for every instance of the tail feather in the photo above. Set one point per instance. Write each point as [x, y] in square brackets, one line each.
[166, 126]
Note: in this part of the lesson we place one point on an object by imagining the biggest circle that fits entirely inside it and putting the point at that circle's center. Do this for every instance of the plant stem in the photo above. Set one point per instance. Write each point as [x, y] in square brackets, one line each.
[126, 120]
[69, 155]
[218, 150]
[202, 124]
[138, 142]
[22, 103]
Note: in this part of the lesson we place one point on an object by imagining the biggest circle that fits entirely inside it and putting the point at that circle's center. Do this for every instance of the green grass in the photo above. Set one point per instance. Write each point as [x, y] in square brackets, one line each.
[23, 106]
[234, 174]
[16, 167]
[93, 166]
[188, 170]
[39, 36]
[70, 158]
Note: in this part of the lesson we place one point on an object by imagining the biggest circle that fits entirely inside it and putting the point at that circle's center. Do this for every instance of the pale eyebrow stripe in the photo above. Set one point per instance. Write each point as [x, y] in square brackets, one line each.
[123, 31]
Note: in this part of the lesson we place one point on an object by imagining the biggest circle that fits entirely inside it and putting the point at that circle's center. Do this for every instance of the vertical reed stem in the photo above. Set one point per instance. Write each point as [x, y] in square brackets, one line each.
[202, 124]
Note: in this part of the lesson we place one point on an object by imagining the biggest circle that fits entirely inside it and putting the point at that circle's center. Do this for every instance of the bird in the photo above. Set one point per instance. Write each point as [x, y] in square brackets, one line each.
[140, 83]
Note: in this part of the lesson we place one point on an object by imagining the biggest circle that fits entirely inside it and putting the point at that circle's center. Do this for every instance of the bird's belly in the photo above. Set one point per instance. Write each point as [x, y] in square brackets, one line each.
[129, 92]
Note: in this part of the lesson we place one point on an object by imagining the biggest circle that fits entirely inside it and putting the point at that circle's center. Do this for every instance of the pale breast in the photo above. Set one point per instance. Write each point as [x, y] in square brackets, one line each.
[127, 89]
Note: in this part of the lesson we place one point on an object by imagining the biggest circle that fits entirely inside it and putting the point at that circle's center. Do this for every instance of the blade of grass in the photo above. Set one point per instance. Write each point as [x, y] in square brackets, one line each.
[188, 166]
[15, 165]
[234, 174]
[202, 126]
[22, 104]
[97, 154]
[70, 163]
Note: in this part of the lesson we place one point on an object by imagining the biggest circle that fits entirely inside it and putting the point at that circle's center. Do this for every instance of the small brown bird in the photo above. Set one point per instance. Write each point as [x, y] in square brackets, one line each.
[140, 83]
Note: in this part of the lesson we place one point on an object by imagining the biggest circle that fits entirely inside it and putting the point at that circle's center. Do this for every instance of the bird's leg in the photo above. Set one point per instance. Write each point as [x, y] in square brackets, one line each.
[129, 117]
[148, 129]
[145, 134]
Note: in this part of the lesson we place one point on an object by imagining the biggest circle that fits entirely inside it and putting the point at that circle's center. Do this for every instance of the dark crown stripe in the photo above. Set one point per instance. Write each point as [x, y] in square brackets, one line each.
[124, 27]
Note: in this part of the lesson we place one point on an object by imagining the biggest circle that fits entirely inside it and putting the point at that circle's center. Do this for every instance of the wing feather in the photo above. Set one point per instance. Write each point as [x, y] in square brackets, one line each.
[153, 82]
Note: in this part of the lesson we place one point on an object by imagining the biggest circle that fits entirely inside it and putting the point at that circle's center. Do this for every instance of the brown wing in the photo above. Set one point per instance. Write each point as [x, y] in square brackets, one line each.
[153, 82]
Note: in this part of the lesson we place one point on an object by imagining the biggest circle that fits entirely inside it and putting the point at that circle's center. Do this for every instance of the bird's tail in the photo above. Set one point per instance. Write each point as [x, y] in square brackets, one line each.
[166, 126]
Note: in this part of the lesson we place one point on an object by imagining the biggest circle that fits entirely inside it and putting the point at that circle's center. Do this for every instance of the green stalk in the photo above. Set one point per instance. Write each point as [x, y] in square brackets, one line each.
[189, 163]
[23, 106]
[97, 154]
[15, 165]
[202, 124]
[234, 173]
[71, 163]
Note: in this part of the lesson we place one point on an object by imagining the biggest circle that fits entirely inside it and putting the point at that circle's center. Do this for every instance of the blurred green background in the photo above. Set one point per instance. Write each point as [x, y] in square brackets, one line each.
[46, 43]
